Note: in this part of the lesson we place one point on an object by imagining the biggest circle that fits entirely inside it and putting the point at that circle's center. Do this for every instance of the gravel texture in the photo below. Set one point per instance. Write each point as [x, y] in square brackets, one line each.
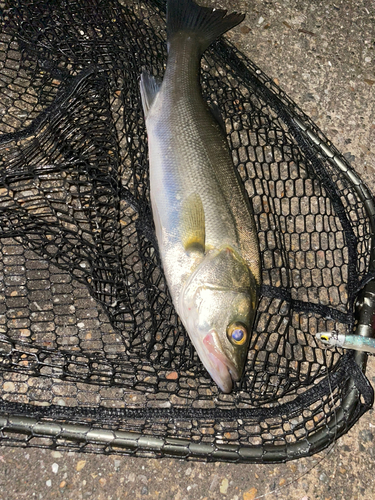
[322, 54]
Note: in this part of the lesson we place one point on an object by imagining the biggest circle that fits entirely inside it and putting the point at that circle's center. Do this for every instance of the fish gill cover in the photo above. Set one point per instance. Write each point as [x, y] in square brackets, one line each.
[88, 332]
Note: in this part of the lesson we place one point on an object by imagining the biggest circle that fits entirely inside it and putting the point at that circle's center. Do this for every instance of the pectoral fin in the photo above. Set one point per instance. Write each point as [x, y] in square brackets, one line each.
[193, 224]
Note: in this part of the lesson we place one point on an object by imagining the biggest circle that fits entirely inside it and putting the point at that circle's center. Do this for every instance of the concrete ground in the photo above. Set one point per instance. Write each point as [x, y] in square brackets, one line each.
[322, 54]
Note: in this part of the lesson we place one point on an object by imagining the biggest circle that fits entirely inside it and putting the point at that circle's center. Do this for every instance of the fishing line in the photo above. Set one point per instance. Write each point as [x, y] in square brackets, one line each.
[322, 459]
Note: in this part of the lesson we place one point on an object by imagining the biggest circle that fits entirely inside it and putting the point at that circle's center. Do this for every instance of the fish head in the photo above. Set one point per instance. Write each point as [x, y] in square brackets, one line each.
[218, 307]
[220, 327]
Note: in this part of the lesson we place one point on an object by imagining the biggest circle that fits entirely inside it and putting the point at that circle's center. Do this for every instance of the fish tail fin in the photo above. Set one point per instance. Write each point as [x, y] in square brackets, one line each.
[205, 23]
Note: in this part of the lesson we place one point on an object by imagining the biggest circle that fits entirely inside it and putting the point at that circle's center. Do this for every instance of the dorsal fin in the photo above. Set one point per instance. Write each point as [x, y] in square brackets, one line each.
[214, 108]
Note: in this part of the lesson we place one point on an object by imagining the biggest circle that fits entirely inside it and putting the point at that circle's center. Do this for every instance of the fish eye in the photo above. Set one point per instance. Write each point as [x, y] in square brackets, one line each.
[237, 333]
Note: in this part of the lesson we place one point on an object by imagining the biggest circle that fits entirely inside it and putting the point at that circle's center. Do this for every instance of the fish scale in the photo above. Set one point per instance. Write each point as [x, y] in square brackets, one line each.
[201, 168]
[204, 224]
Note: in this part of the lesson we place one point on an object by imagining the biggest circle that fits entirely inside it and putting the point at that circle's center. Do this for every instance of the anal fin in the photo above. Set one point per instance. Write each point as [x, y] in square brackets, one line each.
[150, 87]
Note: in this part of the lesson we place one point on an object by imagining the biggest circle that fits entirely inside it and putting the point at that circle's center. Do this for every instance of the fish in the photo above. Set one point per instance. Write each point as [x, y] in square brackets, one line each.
[204, 222]
[354, 342]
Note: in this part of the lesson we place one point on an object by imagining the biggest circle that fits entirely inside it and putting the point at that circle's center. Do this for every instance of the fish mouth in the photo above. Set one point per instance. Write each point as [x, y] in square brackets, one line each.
[222, 370]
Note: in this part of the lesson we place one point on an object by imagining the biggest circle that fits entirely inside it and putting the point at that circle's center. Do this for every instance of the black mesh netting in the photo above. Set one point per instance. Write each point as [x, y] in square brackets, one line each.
[88, 332]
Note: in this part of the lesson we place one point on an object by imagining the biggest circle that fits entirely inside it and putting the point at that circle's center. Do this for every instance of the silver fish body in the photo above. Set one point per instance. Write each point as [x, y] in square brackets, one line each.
[204, 225]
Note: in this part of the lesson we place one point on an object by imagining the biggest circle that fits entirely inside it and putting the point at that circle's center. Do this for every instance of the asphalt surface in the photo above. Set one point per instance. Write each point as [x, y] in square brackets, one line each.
[322, 55]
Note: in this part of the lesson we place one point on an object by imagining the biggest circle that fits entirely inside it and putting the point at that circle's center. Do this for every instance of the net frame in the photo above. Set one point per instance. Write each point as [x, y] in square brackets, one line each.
[70, 427]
